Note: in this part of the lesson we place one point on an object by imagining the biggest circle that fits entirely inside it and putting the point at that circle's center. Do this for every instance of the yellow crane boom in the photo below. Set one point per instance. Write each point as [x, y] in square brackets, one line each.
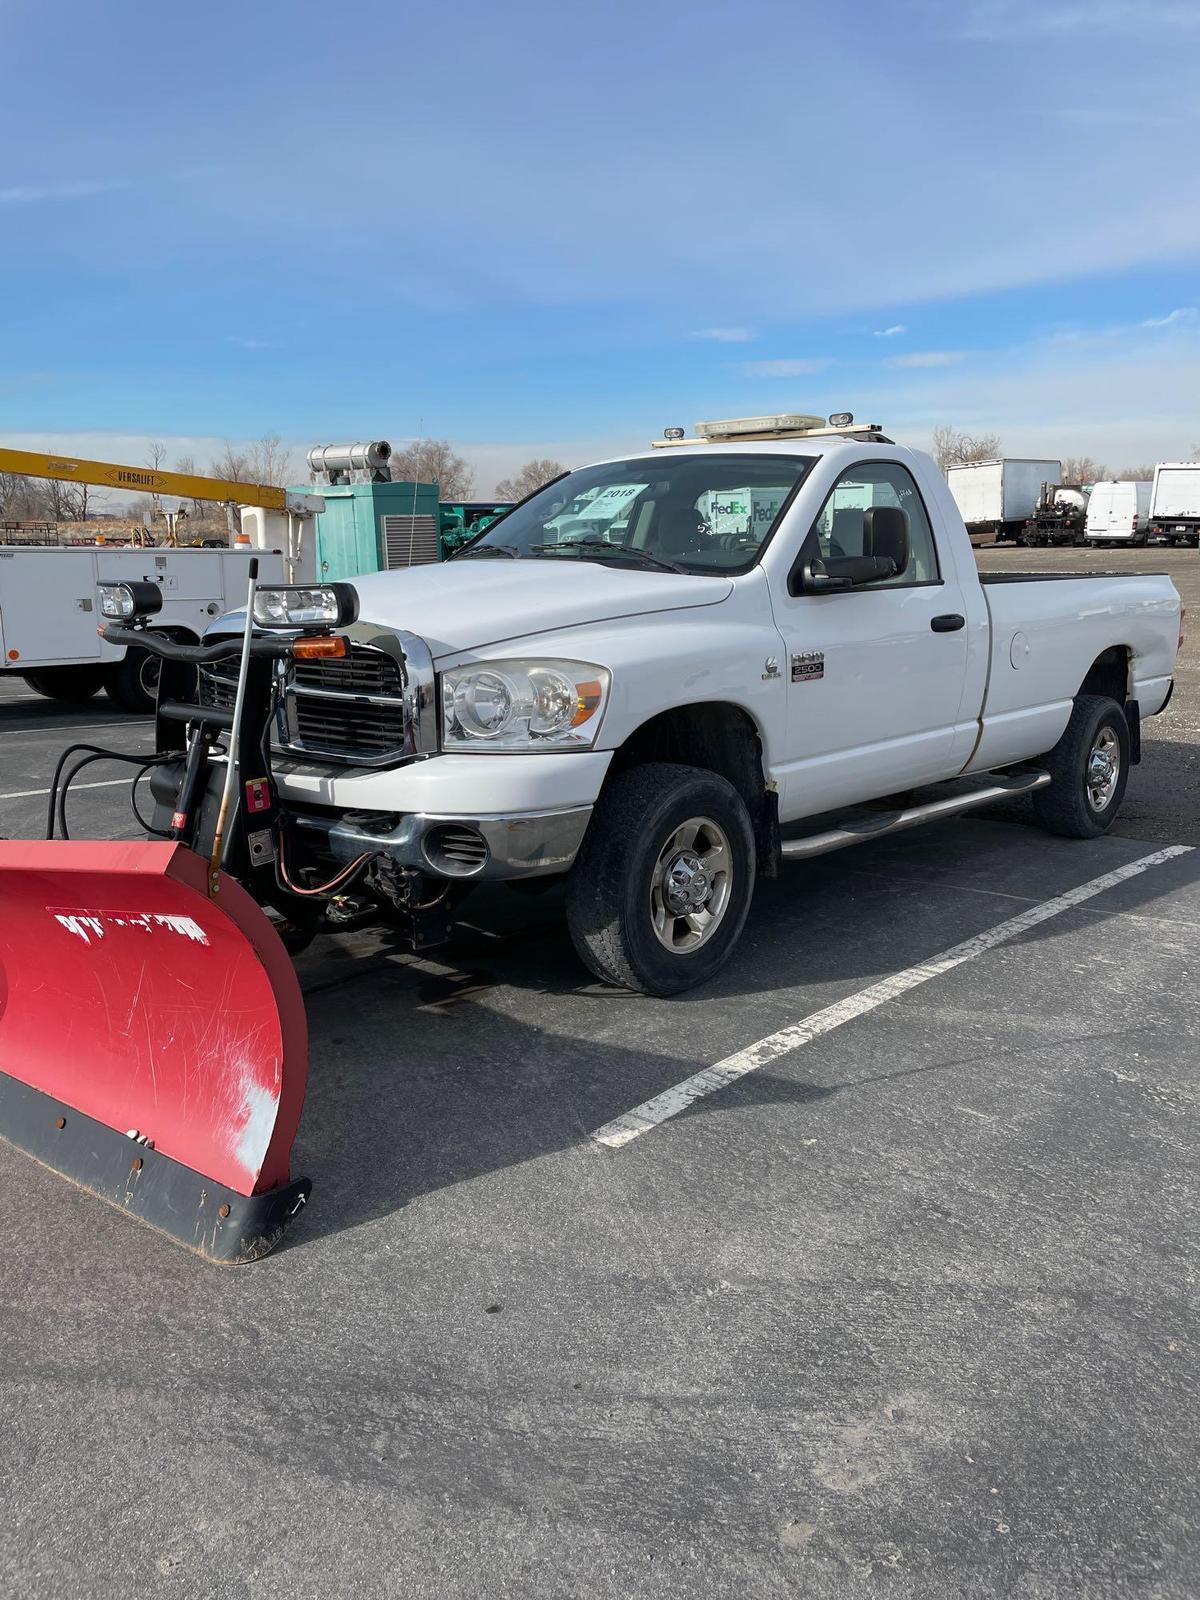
[148, 480]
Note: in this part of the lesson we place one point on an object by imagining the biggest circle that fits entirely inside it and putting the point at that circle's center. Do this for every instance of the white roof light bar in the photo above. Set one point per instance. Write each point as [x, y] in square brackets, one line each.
[782, 425]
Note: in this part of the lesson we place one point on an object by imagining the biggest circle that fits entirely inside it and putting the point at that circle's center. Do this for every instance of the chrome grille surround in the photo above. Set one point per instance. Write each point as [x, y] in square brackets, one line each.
[373, 708]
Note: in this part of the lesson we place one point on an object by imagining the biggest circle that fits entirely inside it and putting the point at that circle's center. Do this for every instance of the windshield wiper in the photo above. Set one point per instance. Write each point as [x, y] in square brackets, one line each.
[618, 552]
[474, 552]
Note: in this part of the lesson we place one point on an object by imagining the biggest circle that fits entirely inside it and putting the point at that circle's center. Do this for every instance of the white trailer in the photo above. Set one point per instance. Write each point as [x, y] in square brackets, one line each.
[998, 497]
[50, 612]
[1175, 502]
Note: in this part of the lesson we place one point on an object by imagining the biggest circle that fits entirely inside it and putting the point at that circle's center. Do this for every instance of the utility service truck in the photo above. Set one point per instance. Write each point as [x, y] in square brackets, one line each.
[652, 706]
[996, 498]
[1175, 502]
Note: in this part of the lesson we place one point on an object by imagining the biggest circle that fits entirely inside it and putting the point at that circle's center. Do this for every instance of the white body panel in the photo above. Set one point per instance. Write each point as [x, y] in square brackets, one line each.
[1176, 491]
[991, 492]
[1119, 509]
[897, 703]
[49, 607]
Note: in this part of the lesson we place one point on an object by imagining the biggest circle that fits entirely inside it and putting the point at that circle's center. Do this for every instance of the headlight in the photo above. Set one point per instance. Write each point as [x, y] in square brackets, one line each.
[523, 705]
[125, 602]
[326, 605]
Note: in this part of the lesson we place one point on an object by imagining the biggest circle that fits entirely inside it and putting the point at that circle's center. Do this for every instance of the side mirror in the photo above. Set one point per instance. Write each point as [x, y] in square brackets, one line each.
[843, 572]
[885, 533]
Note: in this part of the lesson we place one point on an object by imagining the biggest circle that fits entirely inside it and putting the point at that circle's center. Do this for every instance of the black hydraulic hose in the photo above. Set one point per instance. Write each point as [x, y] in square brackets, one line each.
[58, 796]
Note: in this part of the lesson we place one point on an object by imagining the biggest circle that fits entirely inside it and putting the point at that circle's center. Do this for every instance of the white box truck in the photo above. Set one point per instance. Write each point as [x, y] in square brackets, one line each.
[1119, 511]
[49, 612]
[1175, 502]
[998, 497]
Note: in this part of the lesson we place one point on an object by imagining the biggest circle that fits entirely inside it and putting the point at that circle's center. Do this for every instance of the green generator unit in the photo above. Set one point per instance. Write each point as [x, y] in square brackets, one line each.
[371, 524]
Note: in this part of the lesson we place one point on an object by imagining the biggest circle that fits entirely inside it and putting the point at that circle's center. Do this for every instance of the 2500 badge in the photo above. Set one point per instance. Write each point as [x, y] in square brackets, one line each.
[808, 666]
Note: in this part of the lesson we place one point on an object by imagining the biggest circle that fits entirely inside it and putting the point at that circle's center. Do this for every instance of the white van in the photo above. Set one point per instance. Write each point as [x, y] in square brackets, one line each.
[1119, 511]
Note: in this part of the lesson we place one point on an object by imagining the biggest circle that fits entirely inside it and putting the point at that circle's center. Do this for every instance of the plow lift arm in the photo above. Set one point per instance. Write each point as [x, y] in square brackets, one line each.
[153, 1044]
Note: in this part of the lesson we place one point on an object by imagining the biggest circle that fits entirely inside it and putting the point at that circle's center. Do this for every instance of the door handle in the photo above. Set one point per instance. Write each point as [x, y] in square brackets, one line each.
[950, 622]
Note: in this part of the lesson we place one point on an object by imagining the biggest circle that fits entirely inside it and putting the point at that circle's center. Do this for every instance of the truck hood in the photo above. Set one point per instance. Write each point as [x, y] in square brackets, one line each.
[467, 605]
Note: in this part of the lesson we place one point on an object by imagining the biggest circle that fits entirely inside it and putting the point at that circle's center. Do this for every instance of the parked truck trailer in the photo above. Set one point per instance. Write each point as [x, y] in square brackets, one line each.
[1175, 502]
[997, 498]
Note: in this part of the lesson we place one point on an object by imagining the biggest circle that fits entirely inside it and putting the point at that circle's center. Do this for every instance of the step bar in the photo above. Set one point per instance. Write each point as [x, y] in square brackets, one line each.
[878, 827]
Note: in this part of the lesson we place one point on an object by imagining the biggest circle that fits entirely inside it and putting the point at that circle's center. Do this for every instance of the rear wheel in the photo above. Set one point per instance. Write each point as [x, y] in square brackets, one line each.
[66, 683]
[133, 681]
[660, 890]
[1090, 768]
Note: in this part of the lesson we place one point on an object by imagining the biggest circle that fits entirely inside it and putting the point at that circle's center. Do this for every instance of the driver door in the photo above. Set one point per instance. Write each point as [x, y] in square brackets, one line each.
[876, 675]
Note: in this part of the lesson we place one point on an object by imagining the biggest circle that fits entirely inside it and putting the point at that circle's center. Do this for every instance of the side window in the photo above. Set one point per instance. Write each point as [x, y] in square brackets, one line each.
[838, 531]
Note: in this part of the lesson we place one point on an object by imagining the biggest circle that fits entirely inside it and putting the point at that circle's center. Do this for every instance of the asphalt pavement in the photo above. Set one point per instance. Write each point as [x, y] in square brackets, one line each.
[907, 1310]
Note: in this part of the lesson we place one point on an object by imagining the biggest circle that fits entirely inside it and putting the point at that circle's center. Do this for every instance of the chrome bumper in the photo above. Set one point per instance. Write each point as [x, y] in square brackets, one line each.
[480, 846]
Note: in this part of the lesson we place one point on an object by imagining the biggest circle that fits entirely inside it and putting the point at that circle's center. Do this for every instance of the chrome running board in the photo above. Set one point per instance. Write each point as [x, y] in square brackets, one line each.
[877, 827]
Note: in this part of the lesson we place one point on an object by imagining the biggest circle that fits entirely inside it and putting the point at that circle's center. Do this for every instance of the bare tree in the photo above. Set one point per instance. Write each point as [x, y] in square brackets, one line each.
[952, 449]
[158, 454]
[232, 465]
[1082, 469]
[22, 499]
[433, 461]
[528, 478]
[187, 465]
[1141, 474]
[269, 462]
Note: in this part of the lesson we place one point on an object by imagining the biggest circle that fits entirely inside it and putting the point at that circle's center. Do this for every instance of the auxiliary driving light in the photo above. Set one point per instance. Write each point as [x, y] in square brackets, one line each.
[129, 602]
[325, 605]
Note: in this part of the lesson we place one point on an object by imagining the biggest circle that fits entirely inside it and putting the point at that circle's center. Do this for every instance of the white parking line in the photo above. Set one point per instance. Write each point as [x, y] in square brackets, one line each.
[671, 1102]
[34, 794]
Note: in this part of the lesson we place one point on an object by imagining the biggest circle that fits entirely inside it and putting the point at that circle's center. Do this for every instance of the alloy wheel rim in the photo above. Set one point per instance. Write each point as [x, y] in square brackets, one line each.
[691, 885]
[1103, 769]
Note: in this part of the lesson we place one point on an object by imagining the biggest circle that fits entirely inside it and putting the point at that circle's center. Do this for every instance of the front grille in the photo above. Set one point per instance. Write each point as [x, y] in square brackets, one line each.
[217, 689]
[351, 708]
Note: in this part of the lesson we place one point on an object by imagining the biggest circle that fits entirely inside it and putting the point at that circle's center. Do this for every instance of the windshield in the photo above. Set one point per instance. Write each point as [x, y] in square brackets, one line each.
[701, 513]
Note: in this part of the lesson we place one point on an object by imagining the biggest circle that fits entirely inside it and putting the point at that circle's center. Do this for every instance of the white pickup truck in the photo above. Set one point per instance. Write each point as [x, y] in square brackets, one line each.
[665, 706]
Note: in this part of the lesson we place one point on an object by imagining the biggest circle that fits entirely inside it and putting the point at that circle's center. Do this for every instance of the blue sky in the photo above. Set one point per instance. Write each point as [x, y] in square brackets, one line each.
[545, 228]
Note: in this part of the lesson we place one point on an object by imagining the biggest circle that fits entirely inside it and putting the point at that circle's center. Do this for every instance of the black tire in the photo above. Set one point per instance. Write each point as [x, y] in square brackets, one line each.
[133, 681]
[622, 866]
[66, 683]
[1069, 805]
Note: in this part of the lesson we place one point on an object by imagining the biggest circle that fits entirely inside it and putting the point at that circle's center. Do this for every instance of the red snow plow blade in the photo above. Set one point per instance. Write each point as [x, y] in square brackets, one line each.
[153, 1046]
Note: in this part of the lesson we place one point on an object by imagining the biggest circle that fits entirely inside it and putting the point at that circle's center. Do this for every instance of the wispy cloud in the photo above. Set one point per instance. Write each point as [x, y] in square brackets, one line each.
[780, 369]
[30, 194]
[1019, 19]
[726, 335]
[890, 333]
[1184, 314]
[927, 358]
[250, 344]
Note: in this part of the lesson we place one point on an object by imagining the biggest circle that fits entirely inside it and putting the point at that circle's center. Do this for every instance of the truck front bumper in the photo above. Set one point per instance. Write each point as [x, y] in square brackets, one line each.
[455, 816]
[472, 846]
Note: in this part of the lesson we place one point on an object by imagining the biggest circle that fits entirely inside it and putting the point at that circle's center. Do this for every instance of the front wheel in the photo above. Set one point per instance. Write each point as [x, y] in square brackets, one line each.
[660, 890]
[1089, 767]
